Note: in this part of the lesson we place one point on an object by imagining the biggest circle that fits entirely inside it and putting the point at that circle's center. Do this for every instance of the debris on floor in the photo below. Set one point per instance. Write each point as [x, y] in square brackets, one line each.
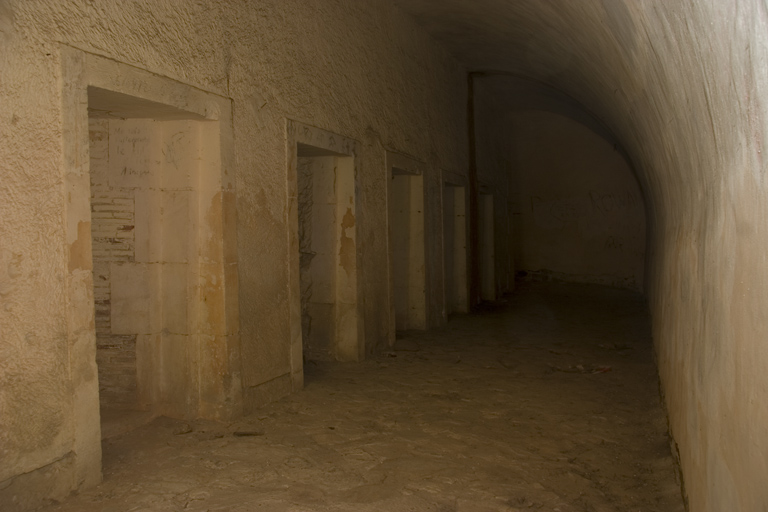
[423, 433]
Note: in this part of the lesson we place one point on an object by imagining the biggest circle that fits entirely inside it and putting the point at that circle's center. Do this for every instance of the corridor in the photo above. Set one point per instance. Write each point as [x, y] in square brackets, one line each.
[241, 241]
[545, 400]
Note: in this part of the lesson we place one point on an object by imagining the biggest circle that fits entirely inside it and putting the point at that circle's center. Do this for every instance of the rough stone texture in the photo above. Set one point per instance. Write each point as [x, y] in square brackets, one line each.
[578, 209]
[682, 85]
[363, 70]
[113, 229]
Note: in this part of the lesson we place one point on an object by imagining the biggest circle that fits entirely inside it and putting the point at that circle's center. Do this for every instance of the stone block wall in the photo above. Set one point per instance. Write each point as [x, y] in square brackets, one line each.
[113, 242]
[361, 71]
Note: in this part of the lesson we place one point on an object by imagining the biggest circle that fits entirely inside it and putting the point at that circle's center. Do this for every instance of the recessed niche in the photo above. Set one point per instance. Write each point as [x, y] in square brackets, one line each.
[325, 182]
[455, 248]
[146, 189]
[406, 246]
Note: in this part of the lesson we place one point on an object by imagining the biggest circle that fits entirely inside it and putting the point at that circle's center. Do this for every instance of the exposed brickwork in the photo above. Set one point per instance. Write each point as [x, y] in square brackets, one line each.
[112, 230]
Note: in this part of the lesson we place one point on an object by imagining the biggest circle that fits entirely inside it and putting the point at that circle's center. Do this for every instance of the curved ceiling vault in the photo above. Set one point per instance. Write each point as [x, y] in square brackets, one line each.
[684, 86]
[651, 71]
[573, 58]
[579, 48]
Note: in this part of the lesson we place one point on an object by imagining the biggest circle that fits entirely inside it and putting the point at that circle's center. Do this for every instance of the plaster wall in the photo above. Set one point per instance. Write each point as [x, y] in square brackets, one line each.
[683, 87]
[579, 212]
[363, 70]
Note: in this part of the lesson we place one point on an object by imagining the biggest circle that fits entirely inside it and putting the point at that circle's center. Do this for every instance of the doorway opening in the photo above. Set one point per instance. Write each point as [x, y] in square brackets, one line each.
[325, 184]
[147, 163]
[455, 248]
[326, 312]
[487, 248]
[406, 246]
[152, 266]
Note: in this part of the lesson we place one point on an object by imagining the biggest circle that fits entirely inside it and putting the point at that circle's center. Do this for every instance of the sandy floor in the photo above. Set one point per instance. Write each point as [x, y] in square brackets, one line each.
[545, 401]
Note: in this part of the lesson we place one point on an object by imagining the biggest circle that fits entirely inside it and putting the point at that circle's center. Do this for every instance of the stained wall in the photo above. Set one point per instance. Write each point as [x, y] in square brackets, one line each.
[682, 86]
[360, 70]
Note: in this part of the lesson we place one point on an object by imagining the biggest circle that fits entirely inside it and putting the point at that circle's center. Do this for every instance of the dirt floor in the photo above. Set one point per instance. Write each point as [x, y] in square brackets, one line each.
[547, 400]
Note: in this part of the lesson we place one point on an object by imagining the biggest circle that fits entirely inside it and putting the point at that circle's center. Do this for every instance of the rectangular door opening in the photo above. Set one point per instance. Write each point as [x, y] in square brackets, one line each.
[455, 247]
[325, 189]
[406, 245]
[145, 190]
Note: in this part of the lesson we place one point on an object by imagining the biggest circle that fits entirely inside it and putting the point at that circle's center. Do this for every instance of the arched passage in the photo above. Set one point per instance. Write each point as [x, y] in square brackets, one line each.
[682, 86]
[678, 86]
